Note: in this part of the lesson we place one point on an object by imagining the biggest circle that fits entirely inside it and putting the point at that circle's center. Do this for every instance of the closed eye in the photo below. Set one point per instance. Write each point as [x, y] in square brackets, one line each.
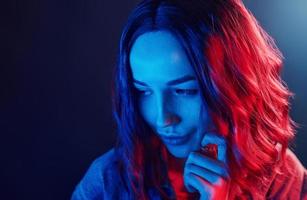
[180, 92]
[186, 92]
[143, 92]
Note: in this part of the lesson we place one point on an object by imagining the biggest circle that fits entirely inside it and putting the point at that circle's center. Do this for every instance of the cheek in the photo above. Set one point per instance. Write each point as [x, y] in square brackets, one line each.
[189, 110]
[146, 107]
[196, 119]
[192, 112]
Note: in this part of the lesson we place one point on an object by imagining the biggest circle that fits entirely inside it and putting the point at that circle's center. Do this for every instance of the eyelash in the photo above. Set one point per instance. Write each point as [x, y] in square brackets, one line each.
[184, 92]
[187, 91]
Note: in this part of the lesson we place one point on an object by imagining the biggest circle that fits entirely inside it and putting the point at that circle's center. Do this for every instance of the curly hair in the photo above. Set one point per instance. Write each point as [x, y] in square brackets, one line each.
[237, 65]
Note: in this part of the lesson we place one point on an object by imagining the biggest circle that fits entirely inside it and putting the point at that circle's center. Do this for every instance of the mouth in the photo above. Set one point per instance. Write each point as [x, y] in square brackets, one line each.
[174, 140]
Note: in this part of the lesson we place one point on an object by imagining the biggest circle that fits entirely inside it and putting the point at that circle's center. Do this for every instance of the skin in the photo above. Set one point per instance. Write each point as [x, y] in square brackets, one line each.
[170, 102]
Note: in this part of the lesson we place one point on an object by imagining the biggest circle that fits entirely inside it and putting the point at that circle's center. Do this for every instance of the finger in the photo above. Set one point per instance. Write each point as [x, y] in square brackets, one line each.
[215, 138]
[199, 184]
[208, 163]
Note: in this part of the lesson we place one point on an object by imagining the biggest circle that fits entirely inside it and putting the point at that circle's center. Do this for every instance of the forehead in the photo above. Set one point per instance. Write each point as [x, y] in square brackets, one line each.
[158, 56]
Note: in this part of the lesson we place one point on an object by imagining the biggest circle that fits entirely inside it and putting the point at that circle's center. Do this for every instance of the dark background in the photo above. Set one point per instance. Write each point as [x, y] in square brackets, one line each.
[55, 109]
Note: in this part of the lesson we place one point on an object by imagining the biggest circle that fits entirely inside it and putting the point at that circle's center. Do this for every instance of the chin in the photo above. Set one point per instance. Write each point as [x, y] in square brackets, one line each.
[179, 152]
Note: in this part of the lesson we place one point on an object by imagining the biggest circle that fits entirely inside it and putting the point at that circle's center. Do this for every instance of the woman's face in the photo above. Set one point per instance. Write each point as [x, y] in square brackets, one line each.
[169, 98]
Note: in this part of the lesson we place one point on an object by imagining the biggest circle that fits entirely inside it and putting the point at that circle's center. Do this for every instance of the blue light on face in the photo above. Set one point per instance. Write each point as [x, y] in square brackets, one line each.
[168, 93]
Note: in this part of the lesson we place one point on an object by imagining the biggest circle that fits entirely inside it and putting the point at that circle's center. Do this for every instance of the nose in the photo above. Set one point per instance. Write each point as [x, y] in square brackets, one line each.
[166, 115]
[167, 121]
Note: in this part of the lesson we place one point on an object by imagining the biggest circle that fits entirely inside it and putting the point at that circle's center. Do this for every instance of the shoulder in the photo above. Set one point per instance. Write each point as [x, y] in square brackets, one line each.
[91, 185]
[290, 181]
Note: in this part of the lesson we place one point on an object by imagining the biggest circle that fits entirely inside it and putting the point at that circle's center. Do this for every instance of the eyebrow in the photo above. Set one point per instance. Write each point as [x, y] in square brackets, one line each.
[172, 82]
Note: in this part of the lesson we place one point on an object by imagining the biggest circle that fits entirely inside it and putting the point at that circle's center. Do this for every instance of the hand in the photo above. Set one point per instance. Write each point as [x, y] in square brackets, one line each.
[208, 176]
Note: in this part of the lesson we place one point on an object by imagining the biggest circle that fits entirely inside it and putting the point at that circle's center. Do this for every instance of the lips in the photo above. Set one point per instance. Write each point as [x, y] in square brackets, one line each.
[174, 140]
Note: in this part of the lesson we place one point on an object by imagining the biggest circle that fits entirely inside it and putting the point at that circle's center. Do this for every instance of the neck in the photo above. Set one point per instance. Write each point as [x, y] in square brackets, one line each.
[176, 164]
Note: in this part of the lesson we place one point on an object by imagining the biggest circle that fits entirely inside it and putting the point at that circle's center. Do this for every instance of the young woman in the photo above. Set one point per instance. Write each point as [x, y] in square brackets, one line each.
[201, 110]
